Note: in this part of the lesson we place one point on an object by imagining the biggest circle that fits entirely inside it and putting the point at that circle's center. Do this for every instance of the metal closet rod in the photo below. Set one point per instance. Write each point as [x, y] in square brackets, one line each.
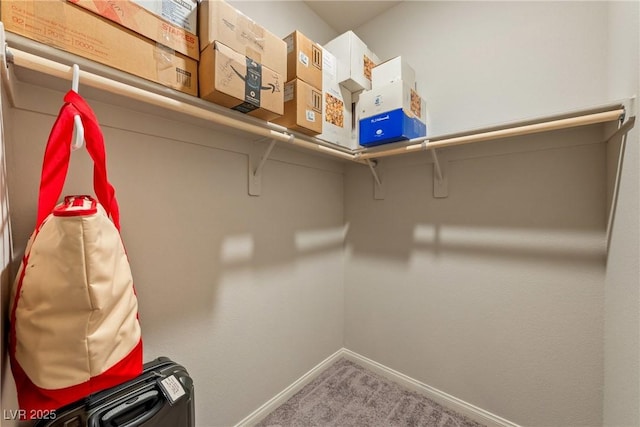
[37, 63]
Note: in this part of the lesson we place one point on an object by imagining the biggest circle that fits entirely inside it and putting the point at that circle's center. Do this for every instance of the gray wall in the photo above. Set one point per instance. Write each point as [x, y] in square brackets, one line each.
[500, 294]
[247, 292]
[622, 295]
[481, 63]
[495, 294]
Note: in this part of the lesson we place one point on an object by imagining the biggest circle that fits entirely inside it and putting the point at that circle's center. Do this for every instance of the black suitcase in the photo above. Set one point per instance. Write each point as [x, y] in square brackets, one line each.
[162, 396]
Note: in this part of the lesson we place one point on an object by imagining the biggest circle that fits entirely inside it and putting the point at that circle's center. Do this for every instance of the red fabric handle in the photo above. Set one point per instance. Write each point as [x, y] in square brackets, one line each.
[58, 153]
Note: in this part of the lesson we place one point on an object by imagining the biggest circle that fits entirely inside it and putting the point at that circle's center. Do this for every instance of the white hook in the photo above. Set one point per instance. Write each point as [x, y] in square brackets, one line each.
[75, 79]
[78, 133]
[78, 128]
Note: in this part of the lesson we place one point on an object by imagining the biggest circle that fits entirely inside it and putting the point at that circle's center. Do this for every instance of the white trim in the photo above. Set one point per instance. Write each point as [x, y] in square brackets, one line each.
[451, 402]
[264, 410]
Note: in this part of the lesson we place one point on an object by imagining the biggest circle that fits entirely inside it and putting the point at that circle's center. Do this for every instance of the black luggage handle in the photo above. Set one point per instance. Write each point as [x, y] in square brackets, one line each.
[141, 409]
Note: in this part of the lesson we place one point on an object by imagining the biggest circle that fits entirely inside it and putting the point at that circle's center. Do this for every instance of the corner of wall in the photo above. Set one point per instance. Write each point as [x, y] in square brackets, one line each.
[622, 291]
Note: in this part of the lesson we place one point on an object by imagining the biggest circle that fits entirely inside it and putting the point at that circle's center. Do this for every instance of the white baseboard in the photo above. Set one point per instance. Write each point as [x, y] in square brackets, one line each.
[458, 405]
[257, 415]
[451, 402]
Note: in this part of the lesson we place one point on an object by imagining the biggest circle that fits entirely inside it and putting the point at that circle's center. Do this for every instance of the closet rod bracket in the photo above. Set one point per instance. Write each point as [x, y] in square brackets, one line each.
[630, 108]
[257, 160]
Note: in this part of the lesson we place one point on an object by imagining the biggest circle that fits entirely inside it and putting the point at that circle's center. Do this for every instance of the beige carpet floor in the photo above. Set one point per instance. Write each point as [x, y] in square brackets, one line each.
[346, 394]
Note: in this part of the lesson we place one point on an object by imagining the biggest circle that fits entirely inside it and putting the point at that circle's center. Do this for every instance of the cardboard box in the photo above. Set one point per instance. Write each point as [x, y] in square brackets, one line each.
[336, 106]
[218, 21]
[232, 80]
[391, 113]
[355, 61]
[65, 26]
[183, 13]
[302, 108]
[337, 120]
[304, 59]
[391, 71]
[136, 18]
[392, 96]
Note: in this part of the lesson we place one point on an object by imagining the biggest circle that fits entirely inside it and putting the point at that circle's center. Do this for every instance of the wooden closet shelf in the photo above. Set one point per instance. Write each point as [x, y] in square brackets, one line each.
[198, 108]
[544, 125]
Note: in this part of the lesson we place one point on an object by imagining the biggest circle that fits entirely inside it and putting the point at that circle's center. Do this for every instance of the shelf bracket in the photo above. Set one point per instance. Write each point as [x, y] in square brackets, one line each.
[622, 130]
[257, 160]
[619, 139]
[378, 189]
[440, 173]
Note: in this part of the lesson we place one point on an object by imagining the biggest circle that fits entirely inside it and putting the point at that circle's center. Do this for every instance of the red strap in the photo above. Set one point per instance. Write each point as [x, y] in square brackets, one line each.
[58, 153]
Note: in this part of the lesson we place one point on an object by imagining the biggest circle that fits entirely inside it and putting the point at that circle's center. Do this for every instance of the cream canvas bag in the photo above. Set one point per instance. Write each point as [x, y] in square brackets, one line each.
[74, 311]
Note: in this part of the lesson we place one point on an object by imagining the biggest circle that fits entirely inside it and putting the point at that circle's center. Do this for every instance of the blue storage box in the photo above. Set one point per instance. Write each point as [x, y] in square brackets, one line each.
[390, 126]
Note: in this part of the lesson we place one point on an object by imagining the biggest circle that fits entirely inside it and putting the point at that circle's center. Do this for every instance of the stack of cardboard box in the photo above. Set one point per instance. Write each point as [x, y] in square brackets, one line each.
[392, 110]
[242, 65]
[122, 35]
[303, 90]
[348, 65]
[335, 92]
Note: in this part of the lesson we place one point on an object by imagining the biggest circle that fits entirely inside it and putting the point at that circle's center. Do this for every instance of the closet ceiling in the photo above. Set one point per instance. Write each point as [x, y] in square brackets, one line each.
[348, 15]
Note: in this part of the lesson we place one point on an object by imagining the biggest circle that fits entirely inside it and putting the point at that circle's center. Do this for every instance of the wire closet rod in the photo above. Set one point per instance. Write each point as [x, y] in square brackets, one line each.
[37, 63]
